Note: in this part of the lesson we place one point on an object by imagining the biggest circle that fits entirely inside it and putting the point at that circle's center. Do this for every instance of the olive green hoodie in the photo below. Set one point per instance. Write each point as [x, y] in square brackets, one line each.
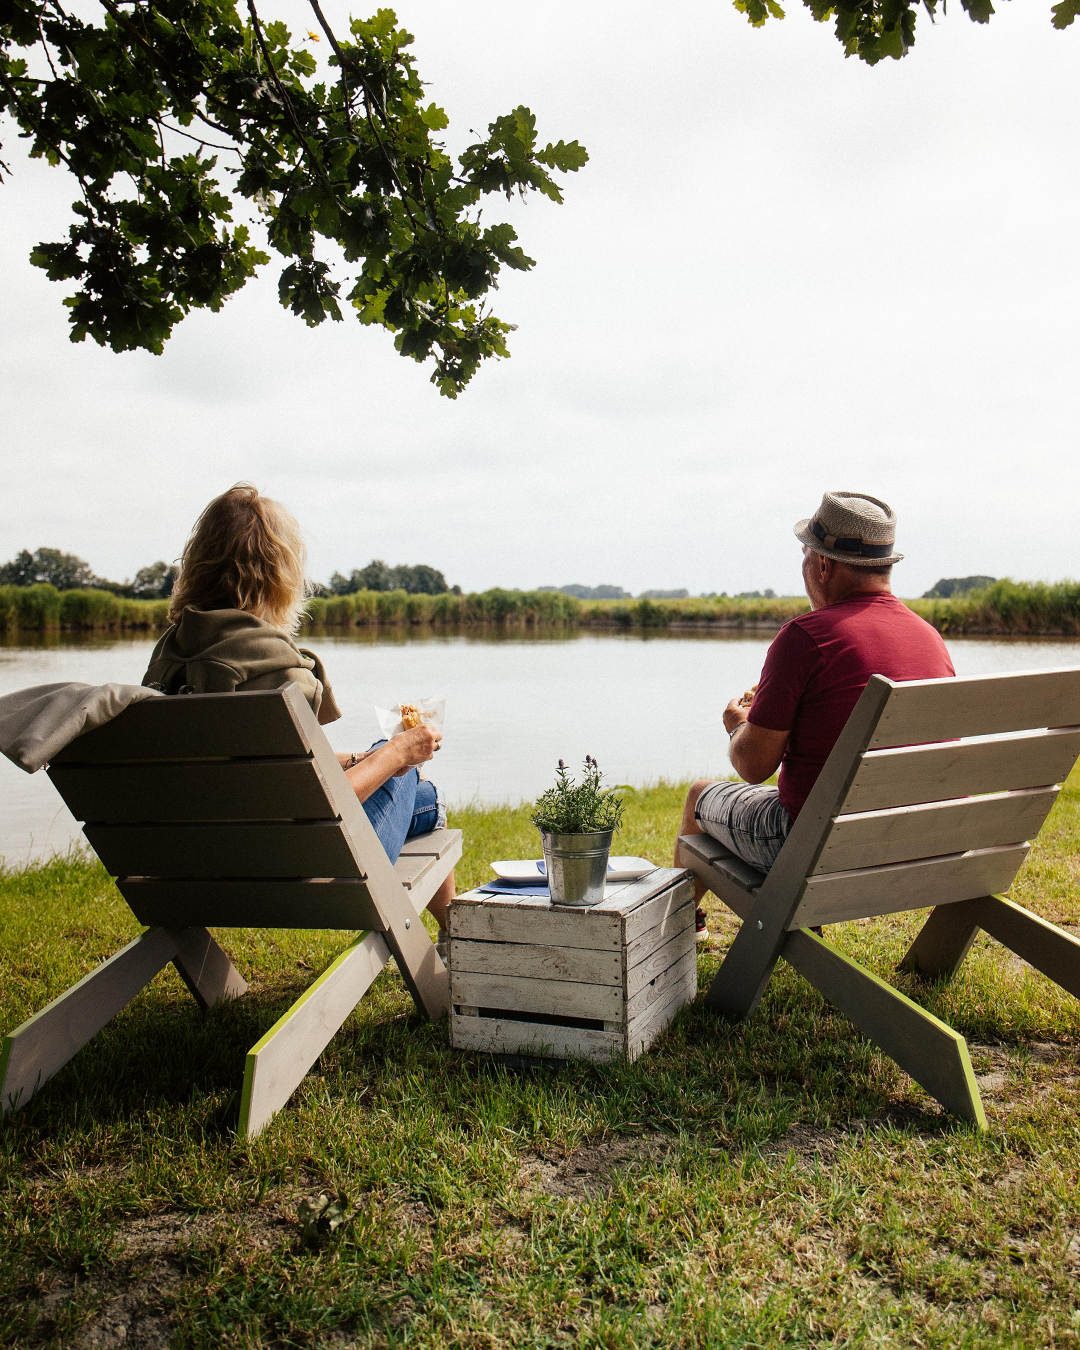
[219, 651]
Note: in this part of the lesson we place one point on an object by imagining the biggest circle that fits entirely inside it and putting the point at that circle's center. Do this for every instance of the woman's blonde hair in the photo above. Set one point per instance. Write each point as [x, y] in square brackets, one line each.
[245, 552]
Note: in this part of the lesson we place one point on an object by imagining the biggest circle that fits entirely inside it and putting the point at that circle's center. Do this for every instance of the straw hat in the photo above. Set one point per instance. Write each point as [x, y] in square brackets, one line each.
[852, 528]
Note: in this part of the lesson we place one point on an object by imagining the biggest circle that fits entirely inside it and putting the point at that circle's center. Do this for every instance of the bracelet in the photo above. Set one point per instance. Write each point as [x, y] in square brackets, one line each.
[737, 727]
[354, 760]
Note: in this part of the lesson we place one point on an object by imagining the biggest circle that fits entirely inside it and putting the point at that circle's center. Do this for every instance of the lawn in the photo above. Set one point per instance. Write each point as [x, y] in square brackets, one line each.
[777, 1183]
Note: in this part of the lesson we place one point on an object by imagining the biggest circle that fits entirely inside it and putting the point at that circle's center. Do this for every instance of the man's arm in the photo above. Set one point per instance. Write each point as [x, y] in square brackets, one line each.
[755, 752]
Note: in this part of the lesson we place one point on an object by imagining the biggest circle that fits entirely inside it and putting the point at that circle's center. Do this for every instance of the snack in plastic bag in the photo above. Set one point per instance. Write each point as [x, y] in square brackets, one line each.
[402, 716]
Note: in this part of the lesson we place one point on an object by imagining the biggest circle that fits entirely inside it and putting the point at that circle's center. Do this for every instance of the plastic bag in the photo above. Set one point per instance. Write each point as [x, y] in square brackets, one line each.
[431, 711]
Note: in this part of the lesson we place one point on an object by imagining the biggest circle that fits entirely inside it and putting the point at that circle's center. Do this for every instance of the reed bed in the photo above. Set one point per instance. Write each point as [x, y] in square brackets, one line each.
[1007, 608]
[38, 608]
[722, 612]
[397, 608]
[1013, 608]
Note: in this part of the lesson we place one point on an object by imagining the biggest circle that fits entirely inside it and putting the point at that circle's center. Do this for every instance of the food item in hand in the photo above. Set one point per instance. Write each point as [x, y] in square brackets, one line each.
[748, 697]
[403, 716]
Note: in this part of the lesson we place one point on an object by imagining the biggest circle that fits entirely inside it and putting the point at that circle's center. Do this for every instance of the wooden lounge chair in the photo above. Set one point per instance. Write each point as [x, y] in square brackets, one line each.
[231, 810]
[905, 815]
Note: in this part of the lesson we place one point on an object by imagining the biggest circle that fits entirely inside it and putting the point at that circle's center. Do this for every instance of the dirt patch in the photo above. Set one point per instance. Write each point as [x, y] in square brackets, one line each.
[812, 1144]
[594, 1166]
[159, 1236]
[808, 1143]
[815, 1143]
[1012, 1076]
[134, 1296]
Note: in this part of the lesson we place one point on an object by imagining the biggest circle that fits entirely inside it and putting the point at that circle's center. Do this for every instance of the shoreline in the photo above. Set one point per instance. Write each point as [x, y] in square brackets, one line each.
[1006, 609]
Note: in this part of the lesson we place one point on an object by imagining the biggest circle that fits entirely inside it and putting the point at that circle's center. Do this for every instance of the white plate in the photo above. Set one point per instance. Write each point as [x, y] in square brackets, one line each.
[619, 869]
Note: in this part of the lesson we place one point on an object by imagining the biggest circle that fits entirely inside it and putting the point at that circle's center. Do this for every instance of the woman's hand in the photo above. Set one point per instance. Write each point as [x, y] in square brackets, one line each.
[415, 746]
[402, 752]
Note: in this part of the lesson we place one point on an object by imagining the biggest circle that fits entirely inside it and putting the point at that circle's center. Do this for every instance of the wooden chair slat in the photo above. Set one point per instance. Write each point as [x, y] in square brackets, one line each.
[410, 870]
[978, 705]
[196, 726]
[294, 849]
[933, 773]
[235, 790]
[436, 844]
[424, 887]
[873, 838]
[863, 893]
[313, 902]
[725, 875]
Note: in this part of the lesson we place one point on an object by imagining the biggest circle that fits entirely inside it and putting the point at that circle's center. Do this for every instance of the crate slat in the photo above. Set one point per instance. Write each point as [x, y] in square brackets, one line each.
[545, 926]
[648, 1026]
[663, 987]
[497, 1035]
[556, 998]
[659, 960]
[538, 960]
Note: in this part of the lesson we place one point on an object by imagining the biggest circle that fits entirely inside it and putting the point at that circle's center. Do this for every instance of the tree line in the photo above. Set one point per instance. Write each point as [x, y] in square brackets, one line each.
[67, 572]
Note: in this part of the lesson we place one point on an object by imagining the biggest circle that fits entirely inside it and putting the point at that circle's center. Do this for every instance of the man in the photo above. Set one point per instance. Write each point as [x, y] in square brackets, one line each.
[816, 669]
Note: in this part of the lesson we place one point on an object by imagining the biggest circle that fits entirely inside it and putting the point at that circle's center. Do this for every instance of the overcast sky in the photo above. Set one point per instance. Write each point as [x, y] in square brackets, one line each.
[780, 272]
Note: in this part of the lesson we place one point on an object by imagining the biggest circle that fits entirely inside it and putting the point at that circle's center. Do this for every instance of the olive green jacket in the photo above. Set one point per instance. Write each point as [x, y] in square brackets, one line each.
[219, 651]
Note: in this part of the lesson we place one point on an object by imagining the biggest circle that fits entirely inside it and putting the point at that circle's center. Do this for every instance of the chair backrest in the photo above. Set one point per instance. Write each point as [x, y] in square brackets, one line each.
[241, 789]
[931, 794]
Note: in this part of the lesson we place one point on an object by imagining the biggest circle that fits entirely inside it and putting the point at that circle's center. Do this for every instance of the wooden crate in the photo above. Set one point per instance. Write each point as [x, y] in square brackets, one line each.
[530, 978]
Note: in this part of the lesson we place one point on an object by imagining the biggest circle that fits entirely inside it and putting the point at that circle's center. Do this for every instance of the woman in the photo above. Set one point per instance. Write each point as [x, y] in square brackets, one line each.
[238, 600]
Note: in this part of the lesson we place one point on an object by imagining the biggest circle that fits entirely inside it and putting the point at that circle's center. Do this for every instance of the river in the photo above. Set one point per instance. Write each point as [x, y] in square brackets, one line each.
[647, 706]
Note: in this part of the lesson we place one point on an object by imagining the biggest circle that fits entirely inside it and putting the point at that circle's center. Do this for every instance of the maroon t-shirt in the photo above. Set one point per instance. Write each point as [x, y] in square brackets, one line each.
[818, 666]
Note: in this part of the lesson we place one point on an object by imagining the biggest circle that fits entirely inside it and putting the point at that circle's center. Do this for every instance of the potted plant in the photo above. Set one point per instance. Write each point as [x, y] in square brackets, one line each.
[576, 822]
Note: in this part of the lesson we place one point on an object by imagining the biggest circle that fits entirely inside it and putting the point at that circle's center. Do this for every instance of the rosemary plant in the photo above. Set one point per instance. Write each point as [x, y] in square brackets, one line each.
[578, 808]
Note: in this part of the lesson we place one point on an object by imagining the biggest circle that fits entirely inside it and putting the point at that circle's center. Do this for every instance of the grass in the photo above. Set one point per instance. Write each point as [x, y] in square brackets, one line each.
[777, 1183]
[1019, 608]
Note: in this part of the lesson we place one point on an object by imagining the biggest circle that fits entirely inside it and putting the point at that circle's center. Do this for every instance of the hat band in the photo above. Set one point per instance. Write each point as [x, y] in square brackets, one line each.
[858, 547]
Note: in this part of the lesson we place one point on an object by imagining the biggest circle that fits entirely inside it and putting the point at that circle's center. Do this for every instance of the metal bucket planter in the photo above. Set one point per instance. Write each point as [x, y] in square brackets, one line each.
[576, 866]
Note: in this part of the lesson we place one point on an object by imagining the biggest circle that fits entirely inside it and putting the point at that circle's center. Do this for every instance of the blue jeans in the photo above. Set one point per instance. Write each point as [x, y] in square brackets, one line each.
[403, 808]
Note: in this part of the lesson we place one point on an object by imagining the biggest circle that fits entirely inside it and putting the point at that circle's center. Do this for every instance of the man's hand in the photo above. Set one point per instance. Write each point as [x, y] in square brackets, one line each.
[735, 715]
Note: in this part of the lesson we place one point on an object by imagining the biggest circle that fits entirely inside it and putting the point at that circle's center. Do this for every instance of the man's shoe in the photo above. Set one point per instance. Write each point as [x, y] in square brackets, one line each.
[700, 925]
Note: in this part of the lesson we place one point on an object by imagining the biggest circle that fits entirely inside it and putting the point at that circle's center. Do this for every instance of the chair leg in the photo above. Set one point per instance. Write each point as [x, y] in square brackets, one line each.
[421, 966]
[206, 970]
[277, 1063]
[1042, 944]
[943, 941]
[923, 1046]
[39, 1048]
[745, 971]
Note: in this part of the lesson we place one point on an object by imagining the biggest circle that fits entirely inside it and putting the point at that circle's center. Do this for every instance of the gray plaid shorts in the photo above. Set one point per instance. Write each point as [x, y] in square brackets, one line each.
[746, 818]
